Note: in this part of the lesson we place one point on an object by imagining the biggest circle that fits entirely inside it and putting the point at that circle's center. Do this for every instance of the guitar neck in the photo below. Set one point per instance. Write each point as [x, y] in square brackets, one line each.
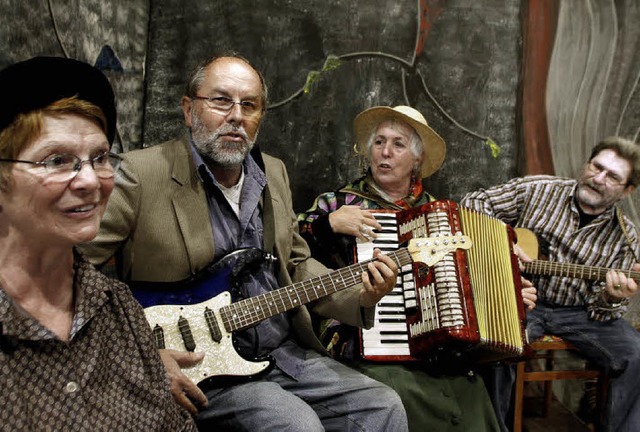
[577, 271]
[249, 312]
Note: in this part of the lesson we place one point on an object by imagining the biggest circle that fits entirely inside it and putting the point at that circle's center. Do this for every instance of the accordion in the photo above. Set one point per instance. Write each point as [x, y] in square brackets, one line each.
[467, 301]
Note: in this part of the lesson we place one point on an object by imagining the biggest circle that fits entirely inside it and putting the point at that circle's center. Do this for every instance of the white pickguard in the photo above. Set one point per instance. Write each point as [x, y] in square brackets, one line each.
[221, 359]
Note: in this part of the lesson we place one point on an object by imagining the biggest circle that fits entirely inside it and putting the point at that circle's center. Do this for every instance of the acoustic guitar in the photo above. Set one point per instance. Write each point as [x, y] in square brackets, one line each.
[529, 243]
[181, 320]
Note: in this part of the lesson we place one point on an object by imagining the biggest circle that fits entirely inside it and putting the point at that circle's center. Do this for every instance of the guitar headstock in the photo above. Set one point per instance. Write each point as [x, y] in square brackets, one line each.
[430, 250]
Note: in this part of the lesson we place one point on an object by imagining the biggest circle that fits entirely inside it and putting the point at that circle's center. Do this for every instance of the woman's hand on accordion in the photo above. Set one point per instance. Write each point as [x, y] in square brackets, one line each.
[522, 256]
[352, 220]
[529, 292]
[378, 280]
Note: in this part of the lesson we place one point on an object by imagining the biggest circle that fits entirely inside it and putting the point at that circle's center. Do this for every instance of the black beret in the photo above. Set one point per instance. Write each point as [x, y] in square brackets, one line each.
[40, 81]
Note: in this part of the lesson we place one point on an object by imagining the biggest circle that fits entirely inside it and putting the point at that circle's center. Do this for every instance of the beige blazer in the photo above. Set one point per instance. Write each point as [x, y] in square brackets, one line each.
[157, 225]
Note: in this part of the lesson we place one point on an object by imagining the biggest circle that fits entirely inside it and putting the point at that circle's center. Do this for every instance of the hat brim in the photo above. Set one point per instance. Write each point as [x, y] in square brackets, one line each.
[433, 145]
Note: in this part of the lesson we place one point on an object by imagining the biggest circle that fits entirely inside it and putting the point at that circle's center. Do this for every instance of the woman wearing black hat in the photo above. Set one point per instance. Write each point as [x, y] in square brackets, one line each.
[76, 352]
[400, 149]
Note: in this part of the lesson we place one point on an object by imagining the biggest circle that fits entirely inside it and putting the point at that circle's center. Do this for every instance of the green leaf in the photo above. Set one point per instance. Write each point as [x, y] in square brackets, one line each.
[332, 62]
[312, 77]
[495, 149]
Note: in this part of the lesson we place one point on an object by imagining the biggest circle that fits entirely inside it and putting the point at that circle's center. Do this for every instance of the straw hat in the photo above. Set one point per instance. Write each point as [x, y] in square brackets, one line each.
[433, 145]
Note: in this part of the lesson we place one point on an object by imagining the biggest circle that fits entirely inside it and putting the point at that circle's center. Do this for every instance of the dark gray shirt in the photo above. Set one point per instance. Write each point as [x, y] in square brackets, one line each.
[231, 232]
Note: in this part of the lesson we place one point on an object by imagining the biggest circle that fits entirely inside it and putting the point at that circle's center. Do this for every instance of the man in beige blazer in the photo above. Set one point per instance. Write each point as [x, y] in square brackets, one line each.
[179, 206]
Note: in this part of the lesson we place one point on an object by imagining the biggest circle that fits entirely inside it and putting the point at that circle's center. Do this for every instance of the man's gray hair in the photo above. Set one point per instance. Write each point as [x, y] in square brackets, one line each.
[197, 76]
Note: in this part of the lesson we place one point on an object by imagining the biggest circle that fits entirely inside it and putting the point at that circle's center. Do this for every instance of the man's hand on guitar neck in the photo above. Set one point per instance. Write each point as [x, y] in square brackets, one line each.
[184, 391]
[619, 285]
[379, 280]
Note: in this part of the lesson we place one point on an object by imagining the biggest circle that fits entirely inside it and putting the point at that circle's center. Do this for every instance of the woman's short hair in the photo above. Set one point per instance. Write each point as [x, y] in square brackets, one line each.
[27, 127]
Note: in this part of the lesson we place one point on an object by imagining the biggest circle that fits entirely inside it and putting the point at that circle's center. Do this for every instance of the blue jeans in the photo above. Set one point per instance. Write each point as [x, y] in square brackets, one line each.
[613, 345]
[326, 396]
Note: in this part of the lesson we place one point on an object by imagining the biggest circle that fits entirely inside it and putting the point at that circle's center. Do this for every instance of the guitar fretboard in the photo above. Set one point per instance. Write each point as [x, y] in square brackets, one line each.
[246, 313]
[540, 267]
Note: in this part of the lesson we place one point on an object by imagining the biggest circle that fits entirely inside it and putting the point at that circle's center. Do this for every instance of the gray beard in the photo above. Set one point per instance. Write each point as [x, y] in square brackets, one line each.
[601, 201]
[223, 153]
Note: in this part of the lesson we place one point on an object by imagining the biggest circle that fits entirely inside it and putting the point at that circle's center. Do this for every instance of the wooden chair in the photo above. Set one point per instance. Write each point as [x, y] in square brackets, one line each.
[545, 348]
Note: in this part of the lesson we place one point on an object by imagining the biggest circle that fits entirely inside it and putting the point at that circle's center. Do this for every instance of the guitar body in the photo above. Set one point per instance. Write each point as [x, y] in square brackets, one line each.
[181, 314]
[222, 364]
[528, 242]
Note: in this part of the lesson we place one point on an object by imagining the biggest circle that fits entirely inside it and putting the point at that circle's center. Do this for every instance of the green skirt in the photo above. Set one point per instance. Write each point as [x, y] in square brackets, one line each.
[437, 403]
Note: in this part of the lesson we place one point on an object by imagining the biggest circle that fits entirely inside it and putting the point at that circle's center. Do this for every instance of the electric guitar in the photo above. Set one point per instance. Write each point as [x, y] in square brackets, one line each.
[529, 243]
[206, 318]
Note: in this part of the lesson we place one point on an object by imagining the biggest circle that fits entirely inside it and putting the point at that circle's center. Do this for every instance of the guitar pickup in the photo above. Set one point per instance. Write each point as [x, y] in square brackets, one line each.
[158, 334]
[212, 323]
[187, 336]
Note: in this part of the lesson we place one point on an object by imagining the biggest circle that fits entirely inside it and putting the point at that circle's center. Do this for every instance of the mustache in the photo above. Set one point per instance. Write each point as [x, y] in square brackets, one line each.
[591, 185]
[226, 129]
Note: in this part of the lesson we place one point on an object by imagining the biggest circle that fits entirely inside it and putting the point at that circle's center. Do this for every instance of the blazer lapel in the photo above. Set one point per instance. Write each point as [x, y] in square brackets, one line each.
[190, 206]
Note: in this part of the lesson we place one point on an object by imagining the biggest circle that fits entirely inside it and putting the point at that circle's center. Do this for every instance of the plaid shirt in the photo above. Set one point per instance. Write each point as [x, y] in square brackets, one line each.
[546, 206]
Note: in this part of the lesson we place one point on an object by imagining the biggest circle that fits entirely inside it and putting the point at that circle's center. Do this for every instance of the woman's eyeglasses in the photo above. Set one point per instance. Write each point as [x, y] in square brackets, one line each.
[64, 167]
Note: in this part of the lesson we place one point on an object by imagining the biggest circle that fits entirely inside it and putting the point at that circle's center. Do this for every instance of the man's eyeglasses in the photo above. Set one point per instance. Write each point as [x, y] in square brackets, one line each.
[223, 105]
[611, 179]
[64, 167]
